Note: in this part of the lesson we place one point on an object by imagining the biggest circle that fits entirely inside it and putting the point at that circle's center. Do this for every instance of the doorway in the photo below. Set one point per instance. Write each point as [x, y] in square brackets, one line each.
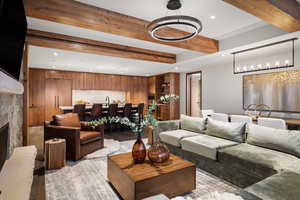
[194, 93]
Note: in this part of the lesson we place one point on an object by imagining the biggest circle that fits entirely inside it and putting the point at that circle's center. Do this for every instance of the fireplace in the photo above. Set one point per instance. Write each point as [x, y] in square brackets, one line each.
[4, 144]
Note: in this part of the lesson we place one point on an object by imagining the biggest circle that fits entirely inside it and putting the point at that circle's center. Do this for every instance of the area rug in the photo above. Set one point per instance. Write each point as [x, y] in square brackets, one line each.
[87, 179]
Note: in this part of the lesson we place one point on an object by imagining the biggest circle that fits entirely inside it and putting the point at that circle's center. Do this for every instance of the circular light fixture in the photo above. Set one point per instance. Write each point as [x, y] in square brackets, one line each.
[174, 20]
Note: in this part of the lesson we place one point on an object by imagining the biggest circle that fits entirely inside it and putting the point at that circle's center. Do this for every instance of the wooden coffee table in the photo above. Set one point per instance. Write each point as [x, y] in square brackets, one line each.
[138, 181]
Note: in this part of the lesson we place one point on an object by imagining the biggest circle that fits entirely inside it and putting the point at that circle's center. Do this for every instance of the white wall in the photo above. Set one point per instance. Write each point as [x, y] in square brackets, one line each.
[222, 90]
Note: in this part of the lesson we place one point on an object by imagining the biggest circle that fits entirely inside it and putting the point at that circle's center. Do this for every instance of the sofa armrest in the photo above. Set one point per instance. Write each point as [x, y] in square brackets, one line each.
[165, 126]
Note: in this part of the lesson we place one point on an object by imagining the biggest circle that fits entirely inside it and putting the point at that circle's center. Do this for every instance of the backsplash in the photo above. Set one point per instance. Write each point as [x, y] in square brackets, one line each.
[11, 106]
[97, 96]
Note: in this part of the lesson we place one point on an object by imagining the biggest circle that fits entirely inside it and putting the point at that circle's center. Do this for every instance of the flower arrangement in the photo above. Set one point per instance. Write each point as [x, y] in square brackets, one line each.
[137, 127]
[168, 98]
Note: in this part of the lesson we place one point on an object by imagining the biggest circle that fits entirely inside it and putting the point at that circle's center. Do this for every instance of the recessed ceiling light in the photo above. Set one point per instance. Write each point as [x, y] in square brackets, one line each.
[176, 68]
[53, 67]
[55, 54]
[223, 54]
[212, 17]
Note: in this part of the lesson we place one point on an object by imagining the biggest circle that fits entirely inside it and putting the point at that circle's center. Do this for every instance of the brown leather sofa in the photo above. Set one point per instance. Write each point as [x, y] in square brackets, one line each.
[80, 138]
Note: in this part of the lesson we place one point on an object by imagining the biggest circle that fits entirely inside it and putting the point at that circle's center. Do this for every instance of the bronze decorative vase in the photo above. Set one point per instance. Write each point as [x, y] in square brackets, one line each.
[158, 152]
[139, 150]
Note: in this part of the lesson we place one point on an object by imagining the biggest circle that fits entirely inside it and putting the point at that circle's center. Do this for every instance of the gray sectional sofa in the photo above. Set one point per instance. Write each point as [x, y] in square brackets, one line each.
[264, 162]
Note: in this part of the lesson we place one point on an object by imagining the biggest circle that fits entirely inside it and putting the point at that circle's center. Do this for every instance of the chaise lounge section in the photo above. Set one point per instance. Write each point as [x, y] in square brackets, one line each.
[246, 155]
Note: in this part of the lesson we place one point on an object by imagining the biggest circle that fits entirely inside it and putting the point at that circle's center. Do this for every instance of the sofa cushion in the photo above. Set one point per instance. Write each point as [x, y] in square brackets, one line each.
[293, 167]
[89, 136]
[195, 124]
[282, 186]
[174, 137]
[277, 139]
[205, 145]
[69, 119]
[255, 158]
[226, 130]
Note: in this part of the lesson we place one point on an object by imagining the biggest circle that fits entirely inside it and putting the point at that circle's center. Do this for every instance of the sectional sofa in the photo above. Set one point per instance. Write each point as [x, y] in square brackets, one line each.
[263, 162]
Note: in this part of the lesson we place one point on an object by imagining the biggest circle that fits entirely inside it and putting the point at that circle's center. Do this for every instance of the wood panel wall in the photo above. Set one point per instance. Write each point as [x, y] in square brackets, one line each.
[136, 88]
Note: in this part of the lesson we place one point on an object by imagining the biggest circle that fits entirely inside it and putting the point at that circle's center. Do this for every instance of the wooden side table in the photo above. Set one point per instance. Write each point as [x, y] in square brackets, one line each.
[138, 181]
[55, 150]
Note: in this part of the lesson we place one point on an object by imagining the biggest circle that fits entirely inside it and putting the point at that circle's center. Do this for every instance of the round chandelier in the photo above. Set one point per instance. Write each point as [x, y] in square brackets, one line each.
[187, 22]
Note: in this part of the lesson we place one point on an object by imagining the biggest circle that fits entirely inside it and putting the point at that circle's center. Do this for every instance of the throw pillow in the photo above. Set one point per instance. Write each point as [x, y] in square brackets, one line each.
[70, 119]
[227, 130]
[194, 124]
[276, 139]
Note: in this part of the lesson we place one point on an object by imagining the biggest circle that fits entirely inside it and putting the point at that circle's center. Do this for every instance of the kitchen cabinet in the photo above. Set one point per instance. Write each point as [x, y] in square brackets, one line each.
[161, 85]
[49, 89]
[58, 93]
[36, 97]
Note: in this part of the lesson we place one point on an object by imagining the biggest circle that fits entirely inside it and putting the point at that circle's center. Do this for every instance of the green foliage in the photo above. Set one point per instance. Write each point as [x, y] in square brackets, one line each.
[137, 127]
[168, 98]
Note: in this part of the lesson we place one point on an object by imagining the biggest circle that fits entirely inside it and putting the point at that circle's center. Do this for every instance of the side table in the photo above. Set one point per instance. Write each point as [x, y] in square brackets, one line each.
[55, 150]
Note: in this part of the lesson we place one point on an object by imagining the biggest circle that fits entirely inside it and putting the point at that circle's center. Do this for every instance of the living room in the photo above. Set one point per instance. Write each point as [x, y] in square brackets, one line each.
[172, 99]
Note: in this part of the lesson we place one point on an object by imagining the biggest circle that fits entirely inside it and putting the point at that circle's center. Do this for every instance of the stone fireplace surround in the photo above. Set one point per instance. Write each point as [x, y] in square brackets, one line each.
[11, 111]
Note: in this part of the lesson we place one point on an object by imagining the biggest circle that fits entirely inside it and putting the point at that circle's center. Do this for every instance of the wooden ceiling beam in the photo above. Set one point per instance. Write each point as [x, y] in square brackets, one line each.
[284, 14]
[64, 42]
[90, 17]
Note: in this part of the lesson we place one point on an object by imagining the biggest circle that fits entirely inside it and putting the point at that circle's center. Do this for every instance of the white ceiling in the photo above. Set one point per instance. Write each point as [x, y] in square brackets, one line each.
[229, 21]
[228, 18]
[40, 57]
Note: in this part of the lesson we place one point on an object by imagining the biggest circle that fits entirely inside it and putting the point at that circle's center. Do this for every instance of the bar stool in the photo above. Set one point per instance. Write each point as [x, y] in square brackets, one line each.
[96, 112]
[141, 111]
[112, 112]
[126, 112]
[80, 110]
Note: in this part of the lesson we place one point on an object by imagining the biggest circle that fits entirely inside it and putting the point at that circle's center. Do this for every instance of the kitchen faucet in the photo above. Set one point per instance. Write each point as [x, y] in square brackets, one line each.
[107, 100]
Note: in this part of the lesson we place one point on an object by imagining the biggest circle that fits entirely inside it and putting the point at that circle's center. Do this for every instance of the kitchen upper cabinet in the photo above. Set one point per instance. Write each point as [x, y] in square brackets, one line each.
[116, 82]
[78, 80]
[124, 83]
[152, 85]
[91, 81]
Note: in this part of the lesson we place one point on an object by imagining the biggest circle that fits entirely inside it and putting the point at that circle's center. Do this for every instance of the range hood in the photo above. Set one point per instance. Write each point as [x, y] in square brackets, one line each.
[9, 85]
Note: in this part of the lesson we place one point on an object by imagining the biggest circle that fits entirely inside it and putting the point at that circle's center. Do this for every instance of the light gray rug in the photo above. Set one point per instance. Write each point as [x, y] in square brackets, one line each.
[87, 179]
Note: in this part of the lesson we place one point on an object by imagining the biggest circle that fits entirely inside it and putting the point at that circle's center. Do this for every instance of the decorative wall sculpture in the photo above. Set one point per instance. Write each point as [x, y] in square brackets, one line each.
[279, 90]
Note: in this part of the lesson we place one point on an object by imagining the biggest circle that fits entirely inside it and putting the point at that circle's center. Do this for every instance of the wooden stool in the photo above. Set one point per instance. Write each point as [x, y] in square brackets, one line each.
[55, 151]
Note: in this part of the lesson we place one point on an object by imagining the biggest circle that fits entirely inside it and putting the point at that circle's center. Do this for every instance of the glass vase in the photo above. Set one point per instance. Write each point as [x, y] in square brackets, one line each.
[158, 152]
[139, 150]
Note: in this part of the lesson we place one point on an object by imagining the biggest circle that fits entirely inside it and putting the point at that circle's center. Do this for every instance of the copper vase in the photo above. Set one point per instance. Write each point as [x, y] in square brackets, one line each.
[158, 152]
[139, 150]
